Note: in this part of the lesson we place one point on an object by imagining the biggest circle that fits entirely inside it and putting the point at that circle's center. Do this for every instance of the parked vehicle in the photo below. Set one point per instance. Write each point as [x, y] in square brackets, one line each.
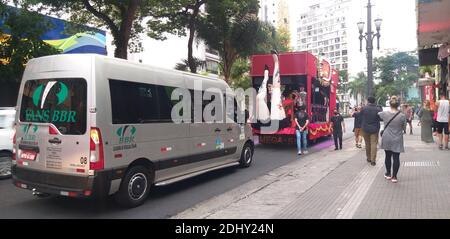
[6, 140]
[88, 125]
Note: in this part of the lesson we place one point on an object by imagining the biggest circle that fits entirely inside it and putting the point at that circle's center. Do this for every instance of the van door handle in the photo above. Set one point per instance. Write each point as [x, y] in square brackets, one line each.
[230, 129]
[55, 141]
[217, 130]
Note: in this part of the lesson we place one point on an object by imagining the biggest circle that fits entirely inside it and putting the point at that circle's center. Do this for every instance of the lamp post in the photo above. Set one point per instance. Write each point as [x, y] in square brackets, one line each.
[369, 36]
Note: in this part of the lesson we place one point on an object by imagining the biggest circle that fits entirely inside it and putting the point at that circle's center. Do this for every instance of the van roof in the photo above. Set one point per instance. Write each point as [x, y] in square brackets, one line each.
[113, 60]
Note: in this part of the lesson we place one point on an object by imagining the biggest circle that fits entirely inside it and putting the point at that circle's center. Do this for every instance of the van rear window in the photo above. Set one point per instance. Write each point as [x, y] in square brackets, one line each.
[61, 102]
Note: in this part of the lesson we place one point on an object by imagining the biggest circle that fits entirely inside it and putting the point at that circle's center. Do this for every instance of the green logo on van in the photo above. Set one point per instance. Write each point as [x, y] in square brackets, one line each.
[61, 95]
[50, 115]
[26, 129]
[126, 138]
[123, 137]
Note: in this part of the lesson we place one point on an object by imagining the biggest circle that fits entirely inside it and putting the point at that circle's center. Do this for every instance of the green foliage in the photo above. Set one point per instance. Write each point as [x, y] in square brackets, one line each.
[172, 16]
[232, 27]
[184, 65]
[175, 17]
[122, 18]
[275, 39]
[358, 86]
[24, 43]
[398, 72]
[240, 77]
[392, 66]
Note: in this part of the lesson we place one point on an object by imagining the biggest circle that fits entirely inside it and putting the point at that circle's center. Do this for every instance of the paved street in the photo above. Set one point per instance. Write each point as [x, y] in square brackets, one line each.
[163, 202]
[342, 185]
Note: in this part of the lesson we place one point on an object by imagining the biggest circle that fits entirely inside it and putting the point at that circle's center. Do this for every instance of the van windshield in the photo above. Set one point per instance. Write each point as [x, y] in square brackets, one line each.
[61, 102]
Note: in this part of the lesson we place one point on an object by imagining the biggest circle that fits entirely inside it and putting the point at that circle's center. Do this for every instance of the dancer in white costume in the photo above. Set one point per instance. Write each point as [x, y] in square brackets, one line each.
[262, 111]
[277, 110]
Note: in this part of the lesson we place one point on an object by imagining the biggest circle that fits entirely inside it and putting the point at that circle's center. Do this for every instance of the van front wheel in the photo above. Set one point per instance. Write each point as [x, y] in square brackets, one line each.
[134, 188]
[246, 156]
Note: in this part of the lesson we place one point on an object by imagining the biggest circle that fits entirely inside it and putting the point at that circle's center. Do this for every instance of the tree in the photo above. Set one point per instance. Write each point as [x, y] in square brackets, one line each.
[398, 72]
[273, 39]
[184, 65]
[358, 86]
[122, 17]
[175, 16]
[20, 35]
[390, 67]
[232, 27]
[240, 77]
[20, 41]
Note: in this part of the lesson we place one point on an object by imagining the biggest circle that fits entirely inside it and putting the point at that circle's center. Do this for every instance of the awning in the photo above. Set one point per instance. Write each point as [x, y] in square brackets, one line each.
[433, 19]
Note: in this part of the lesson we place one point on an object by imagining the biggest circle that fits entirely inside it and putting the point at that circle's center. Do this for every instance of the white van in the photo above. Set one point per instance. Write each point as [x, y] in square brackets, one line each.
[90, 125]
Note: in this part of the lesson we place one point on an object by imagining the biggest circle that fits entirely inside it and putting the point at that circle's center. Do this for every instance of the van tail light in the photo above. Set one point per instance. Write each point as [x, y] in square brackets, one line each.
[14, 144]
[96, 159]
[52, 130]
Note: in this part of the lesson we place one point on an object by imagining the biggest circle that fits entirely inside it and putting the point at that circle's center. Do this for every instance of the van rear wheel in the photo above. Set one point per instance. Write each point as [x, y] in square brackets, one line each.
[246, 156]
[134, 188]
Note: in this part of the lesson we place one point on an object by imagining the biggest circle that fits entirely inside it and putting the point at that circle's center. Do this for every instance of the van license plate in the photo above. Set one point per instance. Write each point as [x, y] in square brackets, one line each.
[28, 155]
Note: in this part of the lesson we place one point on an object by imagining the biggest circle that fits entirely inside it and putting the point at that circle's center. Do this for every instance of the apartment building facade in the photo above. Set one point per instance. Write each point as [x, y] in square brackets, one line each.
[323, 30]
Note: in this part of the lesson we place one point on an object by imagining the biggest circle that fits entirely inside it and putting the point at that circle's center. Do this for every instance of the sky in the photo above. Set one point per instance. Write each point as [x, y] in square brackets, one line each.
[398, 29]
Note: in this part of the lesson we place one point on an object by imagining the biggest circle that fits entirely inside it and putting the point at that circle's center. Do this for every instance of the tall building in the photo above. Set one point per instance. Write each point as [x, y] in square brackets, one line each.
[275, 12]
[322, 30]
[268, 11]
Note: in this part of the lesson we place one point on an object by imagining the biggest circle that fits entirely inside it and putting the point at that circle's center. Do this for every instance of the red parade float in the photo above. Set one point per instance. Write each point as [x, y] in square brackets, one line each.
[299, 72]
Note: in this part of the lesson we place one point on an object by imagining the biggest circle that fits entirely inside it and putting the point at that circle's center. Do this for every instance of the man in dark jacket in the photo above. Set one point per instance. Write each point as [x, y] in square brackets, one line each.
[370, 128]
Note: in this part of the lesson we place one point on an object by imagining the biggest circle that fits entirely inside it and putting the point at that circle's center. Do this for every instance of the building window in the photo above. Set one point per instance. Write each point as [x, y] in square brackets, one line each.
[344, 52]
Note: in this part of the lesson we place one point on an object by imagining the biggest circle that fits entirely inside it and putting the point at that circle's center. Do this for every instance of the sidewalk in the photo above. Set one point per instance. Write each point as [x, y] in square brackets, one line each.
[340, 184]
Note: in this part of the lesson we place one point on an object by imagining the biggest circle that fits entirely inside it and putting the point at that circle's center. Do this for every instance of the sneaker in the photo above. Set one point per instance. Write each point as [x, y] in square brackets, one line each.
[299, 153]
[336, 149]
[305, 152]
[441, 147]
[394, 180]
[373, 163]
[387, 177]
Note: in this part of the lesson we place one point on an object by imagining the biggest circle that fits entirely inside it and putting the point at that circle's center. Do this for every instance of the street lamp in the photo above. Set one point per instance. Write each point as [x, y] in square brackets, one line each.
[369, 36]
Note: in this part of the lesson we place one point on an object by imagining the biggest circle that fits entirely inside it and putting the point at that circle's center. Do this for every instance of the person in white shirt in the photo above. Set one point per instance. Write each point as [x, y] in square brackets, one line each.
[443, 118]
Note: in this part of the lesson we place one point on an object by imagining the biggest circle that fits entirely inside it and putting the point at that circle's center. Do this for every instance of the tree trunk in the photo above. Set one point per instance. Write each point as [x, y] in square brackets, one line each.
[128, 17]
[121, 49]
[191, 60]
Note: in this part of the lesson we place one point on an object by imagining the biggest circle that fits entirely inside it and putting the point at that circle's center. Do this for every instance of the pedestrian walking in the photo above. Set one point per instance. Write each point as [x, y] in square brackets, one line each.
[357, 126]
[370, 128]
[392, 138]
[301, 132]
[338, 124]
[426, 122]
[443, 117]
[409, 113]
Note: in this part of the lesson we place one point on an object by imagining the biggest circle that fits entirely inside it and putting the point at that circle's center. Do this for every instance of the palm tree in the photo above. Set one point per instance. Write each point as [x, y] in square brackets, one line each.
[358, 86]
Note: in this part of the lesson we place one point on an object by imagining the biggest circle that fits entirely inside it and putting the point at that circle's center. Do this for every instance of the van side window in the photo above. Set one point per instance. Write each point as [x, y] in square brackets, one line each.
[133, 103]
[166, 103]
[138, 103]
